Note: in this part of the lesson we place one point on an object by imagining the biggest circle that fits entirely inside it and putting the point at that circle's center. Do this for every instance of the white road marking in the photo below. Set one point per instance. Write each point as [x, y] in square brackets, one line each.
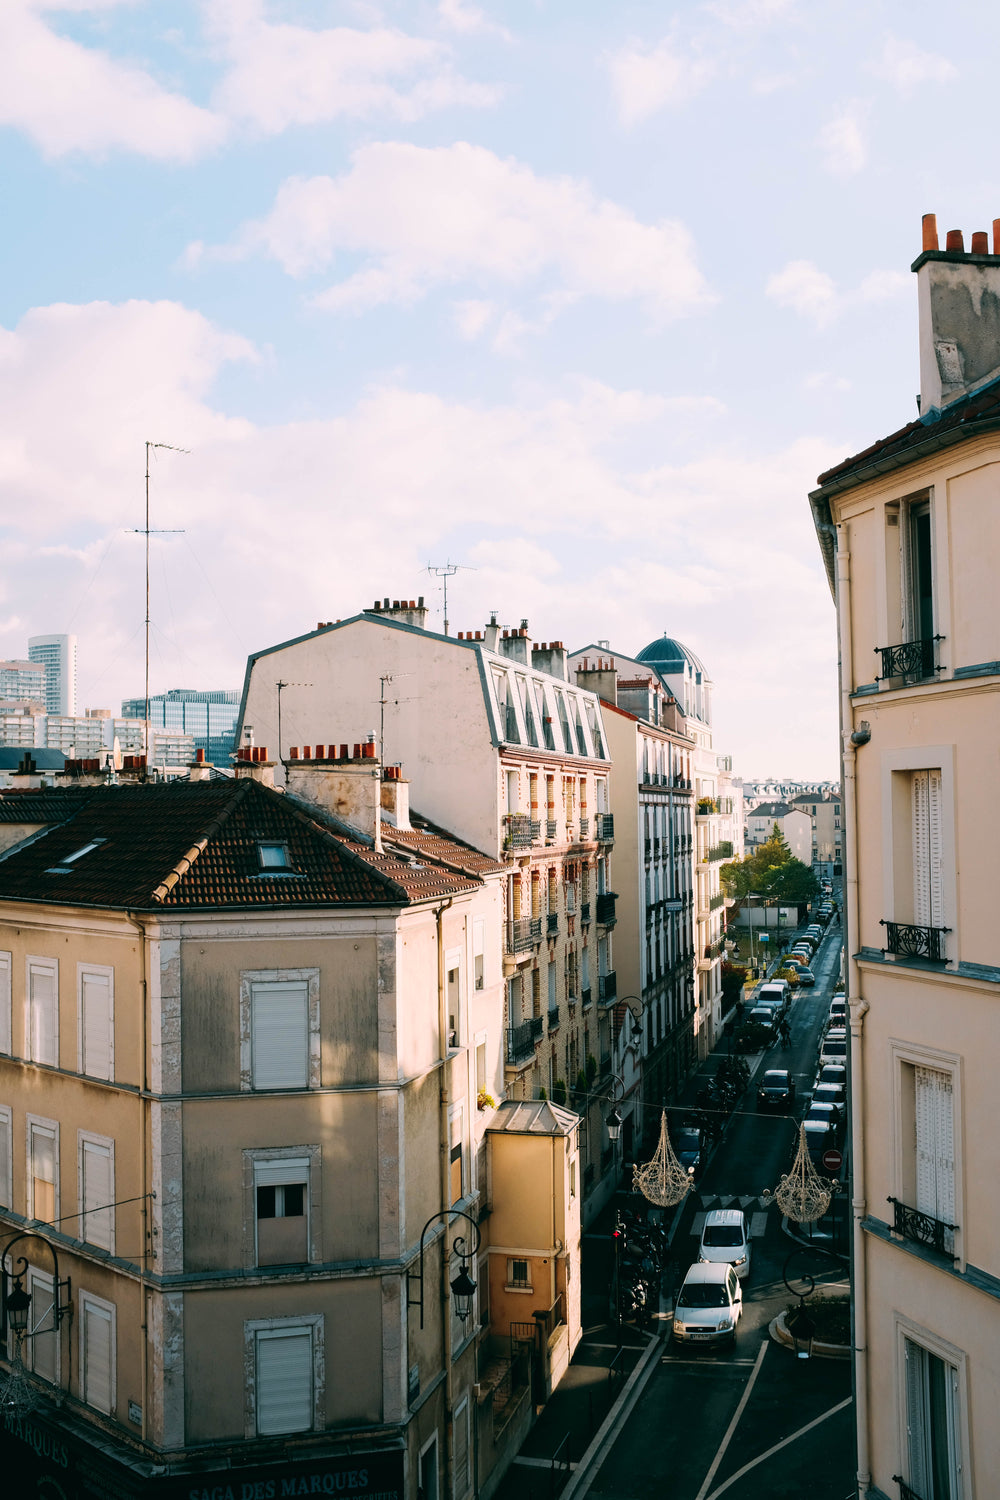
[758, 1224]
[776, 1449]
[730, 1430]
[541, 1463]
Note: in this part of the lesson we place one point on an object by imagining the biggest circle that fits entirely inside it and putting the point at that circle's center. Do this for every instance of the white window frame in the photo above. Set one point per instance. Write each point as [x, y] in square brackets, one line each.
[249, 978]
[905, 1328]
[41, 1286]
[456, 1128]
[39, 1125]
[314, 1324]
[102, 971]
[6, 1019]
[479, 952]
[510, 1285]
[109, 1313]
[105, 1145]
[897, 802]
[453, 965]
[262, 1161]
[911, 1054]
[35, 963]
[463, 1423]
[7, 1157]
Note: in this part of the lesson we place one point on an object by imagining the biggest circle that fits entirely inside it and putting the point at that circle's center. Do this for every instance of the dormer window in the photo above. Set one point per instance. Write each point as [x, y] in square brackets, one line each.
[273, 856]
[67, 865]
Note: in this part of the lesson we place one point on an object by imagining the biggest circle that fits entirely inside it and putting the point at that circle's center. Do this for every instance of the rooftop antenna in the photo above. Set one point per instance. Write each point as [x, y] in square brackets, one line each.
[147, 533]
[385, 682]
[281, 687]
[444, 572]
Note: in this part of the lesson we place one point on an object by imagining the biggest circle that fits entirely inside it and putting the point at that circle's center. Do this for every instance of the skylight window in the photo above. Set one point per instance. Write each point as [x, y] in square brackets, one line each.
[67, 865]
[274, 856]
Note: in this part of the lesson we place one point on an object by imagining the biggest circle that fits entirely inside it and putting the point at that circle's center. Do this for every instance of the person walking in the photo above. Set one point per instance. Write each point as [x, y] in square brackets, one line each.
[784, 1033]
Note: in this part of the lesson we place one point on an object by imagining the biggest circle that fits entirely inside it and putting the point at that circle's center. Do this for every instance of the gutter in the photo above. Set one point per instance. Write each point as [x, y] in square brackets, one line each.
[901, 460]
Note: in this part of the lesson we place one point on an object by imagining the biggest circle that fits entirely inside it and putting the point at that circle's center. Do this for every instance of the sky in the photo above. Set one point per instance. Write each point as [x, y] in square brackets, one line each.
[580, 297]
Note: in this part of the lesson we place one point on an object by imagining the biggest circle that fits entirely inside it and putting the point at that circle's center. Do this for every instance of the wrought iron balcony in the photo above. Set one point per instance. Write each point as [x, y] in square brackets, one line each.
[606, 908]
[910, 941]
[553, 1017]
[522, 831]
[922, 1228]
[607, 986]
[584, 827]
[584, 911]
[906, 1491]
[717, 901]
[552, 923]
[585, 995]
[518, 937]
[550, 830]
[521, 1040]
[536, 929]
[605, 827]
[911, 661]
[722, 850]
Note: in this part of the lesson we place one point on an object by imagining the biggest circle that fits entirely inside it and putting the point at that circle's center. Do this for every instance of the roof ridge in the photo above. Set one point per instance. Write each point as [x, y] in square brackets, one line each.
[177, 873]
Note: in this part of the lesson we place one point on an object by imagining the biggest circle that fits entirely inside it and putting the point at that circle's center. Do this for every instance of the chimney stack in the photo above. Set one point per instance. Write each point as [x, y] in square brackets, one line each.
[346, 785]
[251, 764]
[551, 657]
[958, 297]
[407, 611]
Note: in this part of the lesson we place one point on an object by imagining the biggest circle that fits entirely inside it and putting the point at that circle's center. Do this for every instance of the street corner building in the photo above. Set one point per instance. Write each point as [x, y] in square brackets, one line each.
[250, 1046]
[910, 532]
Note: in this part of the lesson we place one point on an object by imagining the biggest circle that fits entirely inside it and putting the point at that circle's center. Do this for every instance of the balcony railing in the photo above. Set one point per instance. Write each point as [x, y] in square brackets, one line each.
[536, 929]
[585, 995]
[584, 911]
[605, 827]
[553, 1017]
[550, 830]
[521, 1040]
[518, 939]
[584, 826]
[522, 831]
[607, 986]
[922, 1228]
[717, 901]
[906, 1491]
[722, 850]
[911, 661]
[909, 941]
[606, 908]
[552, 923]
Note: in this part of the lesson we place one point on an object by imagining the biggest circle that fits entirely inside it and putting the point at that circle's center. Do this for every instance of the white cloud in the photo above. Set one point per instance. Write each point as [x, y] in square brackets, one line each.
[469, 19]
[645, 79]
[744, 15]
[70, 98]
[422, 216]
[281, 75]
[906, 67]
[810, 292]
[473, 316]
[842, 140]
[823, 380]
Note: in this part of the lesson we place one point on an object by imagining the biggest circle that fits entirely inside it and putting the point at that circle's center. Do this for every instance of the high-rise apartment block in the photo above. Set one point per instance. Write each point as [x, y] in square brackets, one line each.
[57, 653]
[209, 717]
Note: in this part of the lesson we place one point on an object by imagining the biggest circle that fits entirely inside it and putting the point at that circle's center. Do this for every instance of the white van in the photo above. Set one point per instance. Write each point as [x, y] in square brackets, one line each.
[774, 989]
[725, 1238]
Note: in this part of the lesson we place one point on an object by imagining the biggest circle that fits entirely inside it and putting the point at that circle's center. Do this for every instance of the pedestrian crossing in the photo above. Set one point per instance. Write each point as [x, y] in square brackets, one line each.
[755, 1207]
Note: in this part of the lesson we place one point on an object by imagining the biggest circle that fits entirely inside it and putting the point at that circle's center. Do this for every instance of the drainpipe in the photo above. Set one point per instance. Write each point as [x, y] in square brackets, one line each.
[444, 1099]
[857, 1009]
[147, 1237]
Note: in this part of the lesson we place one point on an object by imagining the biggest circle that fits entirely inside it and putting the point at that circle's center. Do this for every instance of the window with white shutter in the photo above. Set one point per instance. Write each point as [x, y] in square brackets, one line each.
[281, 1207]
[95, 1009]
[43, 1169]
[928, 849]
[284, 1380]
[97, 1190]
[279, 1029]
[932, 1419]
[97, 1352]
[42, 1011]
[462, 1468]
[6, 1159]
[6, 1038]
[41, 1348]
[935, 1146]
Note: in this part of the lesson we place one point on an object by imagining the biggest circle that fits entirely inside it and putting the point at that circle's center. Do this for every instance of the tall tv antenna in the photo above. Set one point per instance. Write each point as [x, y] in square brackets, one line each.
[444, 572]
[147, 533]
[281, 688]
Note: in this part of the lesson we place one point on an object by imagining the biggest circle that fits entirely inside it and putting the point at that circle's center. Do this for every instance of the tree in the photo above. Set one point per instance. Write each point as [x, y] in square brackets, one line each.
[737, 877]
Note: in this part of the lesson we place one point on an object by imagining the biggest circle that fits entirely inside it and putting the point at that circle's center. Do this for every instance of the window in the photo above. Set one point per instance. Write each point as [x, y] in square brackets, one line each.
[481, 1064]
[518, 1277]
[43, 1169]
[428, 1484]
[97, 1352]
[919, 581]
[281, 1201]
[934, 1140]
[479, 951]
[454, 993]
[461, 1429]
[274, 856]
[41, 1347]
[933, 1446]
[42, 1011]
[456, 1155]
[284, 1375]
[926, 1145]
[279, 1029]
[6, 1036]
[6, 1158]
[65, 866]
[95, 1020]
[97, 1190]
[928, 873]
[553, 1002]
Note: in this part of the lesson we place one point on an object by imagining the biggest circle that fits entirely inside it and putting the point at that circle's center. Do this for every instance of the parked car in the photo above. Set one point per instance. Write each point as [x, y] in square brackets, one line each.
[725, 1239]
[687, 1149]
[763, 1015]
[776, 1091]
[832, 1073]
[822, 1109]
[820, 1137]
[806, 978]
[834, 1047]
[708, 1305]
[774, 989]
[831, 1093]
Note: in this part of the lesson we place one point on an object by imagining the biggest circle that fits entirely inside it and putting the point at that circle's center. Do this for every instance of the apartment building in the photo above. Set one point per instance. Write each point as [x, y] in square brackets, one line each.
[793, 823]
[23, 681]
[57, 655]
[653, 805]
[910, 536]
[827, 829]
[209, 717]
[504, 750]
[246, 1065]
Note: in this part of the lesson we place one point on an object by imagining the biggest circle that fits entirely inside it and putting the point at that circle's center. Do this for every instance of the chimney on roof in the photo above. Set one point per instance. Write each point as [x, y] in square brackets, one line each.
[251, 764]
[516, 644]
[407, 611]
[348, 785]
[395, 797]
[491, 635]
[80, 773]
[200, 769]
[133, 770]
[551, 657]
[958, 298]
[600, 677]
[27, 776]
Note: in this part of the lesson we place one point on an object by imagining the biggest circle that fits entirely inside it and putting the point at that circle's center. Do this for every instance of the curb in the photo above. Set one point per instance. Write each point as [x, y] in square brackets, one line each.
[778, 1331]
[613, 1422]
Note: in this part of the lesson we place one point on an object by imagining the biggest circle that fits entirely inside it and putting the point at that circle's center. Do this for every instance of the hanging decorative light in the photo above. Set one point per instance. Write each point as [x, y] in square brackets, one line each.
[17, 1398]
[802, 1194]
[663, 1180]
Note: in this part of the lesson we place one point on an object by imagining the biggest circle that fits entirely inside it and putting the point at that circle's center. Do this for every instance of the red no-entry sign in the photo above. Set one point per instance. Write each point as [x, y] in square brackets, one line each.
[832, 1160]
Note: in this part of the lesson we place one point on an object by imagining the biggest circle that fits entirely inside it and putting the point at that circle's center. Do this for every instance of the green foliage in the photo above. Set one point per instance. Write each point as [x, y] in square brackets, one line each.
[733, 977]
[582, 1087]
[559, 1091]
[754, 1036]
[543, 1092]
[770, 873]
[591, 1067]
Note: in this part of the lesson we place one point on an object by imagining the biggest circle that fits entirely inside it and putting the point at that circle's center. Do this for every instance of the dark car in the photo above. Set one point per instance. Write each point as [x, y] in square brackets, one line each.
[832, 1113]
[776, 1091]
[832, 1073]
[687, 1149]
[807, 977]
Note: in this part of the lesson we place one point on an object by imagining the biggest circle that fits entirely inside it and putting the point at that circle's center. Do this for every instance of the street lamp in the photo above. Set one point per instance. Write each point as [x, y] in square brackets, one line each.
[463, 1287]
[15, 1302]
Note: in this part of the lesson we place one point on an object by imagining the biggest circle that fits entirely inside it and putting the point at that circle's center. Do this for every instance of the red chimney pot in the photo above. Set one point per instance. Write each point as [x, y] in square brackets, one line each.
[955, 241]
[930, 235]
[980, 242]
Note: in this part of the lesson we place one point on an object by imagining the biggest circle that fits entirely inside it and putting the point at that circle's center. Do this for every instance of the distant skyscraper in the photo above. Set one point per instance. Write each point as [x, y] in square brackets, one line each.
[22, 681]
[210, 717]
[58, 654]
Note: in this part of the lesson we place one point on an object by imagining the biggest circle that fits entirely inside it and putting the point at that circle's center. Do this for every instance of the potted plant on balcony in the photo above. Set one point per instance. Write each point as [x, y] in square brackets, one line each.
[485, 1100]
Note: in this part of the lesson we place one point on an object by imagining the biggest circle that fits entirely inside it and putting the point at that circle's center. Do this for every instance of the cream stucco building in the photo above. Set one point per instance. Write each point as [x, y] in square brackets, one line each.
[910, 531]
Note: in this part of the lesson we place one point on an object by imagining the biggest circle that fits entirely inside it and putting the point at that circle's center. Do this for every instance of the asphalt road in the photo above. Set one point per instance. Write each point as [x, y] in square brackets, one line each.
[754, 1423]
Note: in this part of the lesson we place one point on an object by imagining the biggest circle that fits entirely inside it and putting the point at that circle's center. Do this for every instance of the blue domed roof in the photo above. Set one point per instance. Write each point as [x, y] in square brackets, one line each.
[669, 655]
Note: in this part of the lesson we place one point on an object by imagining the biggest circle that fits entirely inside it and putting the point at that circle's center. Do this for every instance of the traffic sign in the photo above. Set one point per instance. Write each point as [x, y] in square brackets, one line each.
[833, 1160]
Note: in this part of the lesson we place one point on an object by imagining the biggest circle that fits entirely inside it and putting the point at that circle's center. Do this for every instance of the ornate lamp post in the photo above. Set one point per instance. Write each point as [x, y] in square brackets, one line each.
[463, 1288]
[16, 1395]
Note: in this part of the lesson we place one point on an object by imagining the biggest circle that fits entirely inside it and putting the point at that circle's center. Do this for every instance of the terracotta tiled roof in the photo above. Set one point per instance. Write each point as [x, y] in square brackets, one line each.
[195, 845]
[432, 842]
[960, 420]
[48, 805]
